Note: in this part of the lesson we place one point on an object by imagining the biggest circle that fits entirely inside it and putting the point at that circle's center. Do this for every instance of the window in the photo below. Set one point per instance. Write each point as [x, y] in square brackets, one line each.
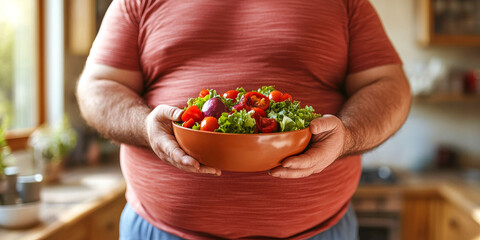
[21, 71]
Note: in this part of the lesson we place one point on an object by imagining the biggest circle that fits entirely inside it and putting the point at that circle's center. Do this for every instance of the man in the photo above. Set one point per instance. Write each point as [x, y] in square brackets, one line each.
[151, 56]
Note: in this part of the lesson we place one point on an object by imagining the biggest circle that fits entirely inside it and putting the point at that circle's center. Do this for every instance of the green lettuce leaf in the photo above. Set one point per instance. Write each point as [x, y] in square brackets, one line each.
[241, 92]
[291, 116]
[237, 122]
[266, 90]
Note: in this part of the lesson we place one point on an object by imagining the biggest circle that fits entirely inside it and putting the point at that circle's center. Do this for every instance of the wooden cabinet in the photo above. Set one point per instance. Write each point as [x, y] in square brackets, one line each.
[448, 22]
[101, 223]
[74, 231]
[83, 20]
[428, 216]
[80, 26]
[457, 225]
[421, 216]
[104, 223]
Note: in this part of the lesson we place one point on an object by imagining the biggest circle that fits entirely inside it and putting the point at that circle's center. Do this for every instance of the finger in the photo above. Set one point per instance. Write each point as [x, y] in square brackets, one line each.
[324, 124]
[182, 160]
[302, 161]
[210, 170]
[170, 147]
[168, 112]
[282, 172]
[201, 169]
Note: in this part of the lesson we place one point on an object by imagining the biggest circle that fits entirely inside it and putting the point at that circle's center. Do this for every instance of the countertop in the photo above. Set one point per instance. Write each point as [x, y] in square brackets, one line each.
[80, 192]
[454, 186]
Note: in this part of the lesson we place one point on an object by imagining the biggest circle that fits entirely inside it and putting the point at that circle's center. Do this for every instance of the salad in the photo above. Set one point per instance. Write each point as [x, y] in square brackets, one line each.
[265, 110]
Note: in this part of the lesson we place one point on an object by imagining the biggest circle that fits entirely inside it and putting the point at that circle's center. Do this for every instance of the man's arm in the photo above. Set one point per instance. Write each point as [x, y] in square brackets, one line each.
[377, 106]
[110, 101]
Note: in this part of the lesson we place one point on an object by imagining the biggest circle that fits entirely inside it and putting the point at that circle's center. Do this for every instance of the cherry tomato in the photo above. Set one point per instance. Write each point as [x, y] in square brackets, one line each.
[255, 99]
[209, 124]
[192, 112]
[287, 96]
[189, 123]
[203, 93]
[267, 125]
[275, 96]
[232, 94]
[258, 114]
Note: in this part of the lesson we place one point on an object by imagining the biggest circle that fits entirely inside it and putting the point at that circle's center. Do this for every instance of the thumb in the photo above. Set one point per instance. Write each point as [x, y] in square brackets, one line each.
[324, 124]
[168, 112]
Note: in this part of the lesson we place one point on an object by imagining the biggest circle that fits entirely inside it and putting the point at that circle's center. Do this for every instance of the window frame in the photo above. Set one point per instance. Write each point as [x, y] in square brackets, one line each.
[18, 139]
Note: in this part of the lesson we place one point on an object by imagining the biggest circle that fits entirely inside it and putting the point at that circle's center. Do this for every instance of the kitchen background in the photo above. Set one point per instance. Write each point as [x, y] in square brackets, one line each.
[414, 147]
[448, 122]
[420, 184]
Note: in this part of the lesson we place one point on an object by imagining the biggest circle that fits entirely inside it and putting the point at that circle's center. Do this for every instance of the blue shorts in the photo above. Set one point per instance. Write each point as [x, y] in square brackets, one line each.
[134, 227]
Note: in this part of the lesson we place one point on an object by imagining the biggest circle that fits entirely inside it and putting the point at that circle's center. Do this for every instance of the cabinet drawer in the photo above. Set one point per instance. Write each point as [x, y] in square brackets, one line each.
[104, 223]
[459, 225]
[76, 231]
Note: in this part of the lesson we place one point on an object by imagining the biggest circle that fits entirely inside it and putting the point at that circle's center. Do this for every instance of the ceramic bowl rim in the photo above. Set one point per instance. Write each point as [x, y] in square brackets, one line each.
[239, 134]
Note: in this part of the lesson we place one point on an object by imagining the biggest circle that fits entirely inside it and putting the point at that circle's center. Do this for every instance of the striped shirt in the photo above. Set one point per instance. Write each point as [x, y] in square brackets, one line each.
[305, 48]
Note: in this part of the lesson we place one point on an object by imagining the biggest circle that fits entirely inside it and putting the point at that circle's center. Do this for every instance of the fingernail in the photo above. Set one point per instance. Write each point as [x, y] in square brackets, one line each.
[186, 162]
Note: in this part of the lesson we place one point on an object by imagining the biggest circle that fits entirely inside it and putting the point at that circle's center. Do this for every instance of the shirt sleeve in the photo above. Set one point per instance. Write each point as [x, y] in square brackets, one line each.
[369, 45]
[116, 43]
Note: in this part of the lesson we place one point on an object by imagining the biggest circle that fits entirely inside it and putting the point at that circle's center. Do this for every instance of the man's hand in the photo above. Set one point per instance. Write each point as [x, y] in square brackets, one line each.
[378, 103]
[158, 125]
[328, 144]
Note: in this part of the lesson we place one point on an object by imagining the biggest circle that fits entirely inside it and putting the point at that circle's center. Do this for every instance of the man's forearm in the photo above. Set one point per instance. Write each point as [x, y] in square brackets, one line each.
[374, 113]
[114, 110]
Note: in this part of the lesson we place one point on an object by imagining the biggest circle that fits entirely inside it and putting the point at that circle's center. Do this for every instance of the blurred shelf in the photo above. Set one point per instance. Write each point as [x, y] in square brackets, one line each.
[448, 98]
[434, 16]
[453, 40]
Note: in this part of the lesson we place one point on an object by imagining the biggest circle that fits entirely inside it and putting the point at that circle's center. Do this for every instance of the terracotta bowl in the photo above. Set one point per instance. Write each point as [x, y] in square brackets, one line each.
[241, 152]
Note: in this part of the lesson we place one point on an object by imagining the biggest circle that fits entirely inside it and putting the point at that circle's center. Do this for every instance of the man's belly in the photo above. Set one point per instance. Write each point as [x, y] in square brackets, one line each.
[236, 205]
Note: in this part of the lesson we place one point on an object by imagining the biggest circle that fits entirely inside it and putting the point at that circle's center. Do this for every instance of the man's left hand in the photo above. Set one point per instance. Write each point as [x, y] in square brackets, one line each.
[328, 143]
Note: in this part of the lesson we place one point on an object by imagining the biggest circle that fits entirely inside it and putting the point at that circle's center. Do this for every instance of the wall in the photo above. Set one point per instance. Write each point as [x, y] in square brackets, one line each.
[429, 124]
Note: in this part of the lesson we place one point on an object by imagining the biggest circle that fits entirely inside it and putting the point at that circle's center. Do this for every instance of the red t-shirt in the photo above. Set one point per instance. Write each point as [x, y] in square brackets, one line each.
[305, 48]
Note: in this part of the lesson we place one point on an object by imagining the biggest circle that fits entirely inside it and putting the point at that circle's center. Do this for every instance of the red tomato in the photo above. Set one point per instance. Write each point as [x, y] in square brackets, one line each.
[189, 123]
[203, 93]
[192, 112]
[275, 96]
[267, 125]
[287, 96]
[232, 94]
[258, 114]
[209, 124]
[255, 100]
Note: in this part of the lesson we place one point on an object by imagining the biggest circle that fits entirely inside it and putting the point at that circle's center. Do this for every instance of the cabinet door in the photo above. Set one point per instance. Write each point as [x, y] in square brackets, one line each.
[104, 223]
[75, 231]
[459, 225]
[421, 217]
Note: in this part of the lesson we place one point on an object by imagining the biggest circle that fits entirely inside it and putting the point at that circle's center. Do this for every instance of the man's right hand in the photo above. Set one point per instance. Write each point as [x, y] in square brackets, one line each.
[158, 125]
